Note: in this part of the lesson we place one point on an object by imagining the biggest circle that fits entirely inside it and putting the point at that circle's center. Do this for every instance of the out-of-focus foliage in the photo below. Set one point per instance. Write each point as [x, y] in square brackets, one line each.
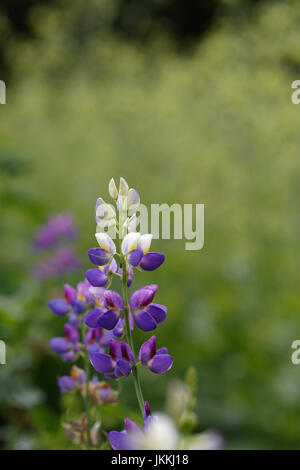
[215, 126]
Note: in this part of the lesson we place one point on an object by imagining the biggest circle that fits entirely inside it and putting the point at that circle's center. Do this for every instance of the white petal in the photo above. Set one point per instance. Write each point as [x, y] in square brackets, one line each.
[130, 242]
[161, 433]
[112, 189]
[145, 242]
[133, 199]
[122, 202]
[105, 242]
[132, 222]
[123, 188]
[103, 210]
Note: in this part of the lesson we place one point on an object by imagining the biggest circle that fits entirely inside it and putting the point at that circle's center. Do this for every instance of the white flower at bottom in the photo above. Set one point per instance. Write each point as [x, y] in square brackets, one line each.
[160, 434]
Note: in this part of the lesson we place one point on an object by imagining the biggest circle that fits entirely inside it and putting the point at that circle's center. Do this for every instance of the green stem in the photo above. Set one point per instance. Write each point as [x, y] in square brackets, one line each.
[136, 379]
[86, 397]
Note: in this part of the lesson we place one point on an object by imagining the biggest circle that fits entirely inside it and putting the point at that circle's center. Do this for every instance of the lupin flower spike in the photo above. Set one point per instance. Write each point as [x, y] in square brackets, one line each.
[110, 318]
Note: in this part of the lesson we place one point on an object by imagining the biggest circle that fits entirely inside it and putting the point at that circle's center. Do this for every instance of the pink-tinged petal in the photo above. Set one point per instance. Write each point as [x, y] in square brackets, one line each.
[152, 261]
[59, 307]
[122, 368]
[144, 321]
[135, 257]
[115, 349]
[157, 311]
[113, 300]
[108, 319]
[127, 352]
[98, 256]
[147, 414]
[60, 345]
[71, 333]
[142, 297]
[70, 293]
[92, 317]
[119, 440]
[101, 362]
[160, 363]
[96, 278]
[147, 351]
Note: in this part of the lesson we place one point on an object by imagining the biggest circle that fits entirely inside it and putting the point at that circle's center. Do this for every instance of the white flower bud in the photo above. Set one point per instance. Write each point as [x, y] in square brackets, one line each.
[133, 200]
[112, 189]
[132, 223]
[123, 188]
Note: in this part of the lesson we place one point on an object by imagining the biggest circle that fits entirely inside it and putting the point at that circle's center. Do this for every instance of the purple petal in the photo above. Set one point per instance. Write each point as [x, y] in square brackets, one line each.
[59, 307]
[70, 293]
[119, 328]
[74, 320]
[113, 300]
[79, 307]
[142, 297]
[127, 352]
[119, 440]
[147, 350]
[101, 362]
[152, 260]
[60, 345]
[158, 312]
[71, 333]
[69, 356]
[108, 319]
[66, 383]
[162, 351]
[160, 363]
[97, 278]
[115, 349]
[131, 427]
[98, 256]
[92, 317]
[144, 321]
[122, 368]
[135, 257]
[147, 414]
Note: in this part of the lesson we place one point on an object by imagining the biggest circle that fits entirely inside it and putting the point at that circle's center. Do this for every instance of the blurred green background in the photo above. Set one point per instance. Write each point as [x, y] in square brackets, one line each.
[191, 103]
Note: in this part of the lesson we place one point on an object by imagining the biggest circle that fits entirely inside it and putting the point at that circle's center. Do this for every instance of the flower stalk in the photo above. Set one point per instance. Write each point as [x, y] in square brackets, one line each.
[136, 379]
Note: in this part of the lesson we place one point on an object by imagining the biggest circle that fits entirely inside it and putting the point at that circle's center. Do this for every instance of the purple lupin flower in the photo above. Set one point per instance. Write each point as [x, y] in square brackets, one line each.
[67, 346]
[101, 276]
[103, 255]
[136, 248]
[126, 439]
[97, 339]
[67, 383]
[73, 301]
[59, 226]
[107, 314]
[147, 315]
[115, 364]
[158, 360]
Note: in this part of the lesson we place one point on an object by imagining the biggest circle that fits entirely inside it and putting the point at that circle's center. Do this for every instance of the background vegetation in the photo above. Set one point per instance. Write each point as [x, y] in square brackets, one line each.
[194, 110]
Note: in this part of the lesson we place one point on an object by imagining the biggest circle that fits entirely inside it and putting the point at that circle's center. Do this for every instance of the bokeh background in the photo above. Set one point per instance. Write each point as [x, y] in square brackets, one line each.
[191, 103]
